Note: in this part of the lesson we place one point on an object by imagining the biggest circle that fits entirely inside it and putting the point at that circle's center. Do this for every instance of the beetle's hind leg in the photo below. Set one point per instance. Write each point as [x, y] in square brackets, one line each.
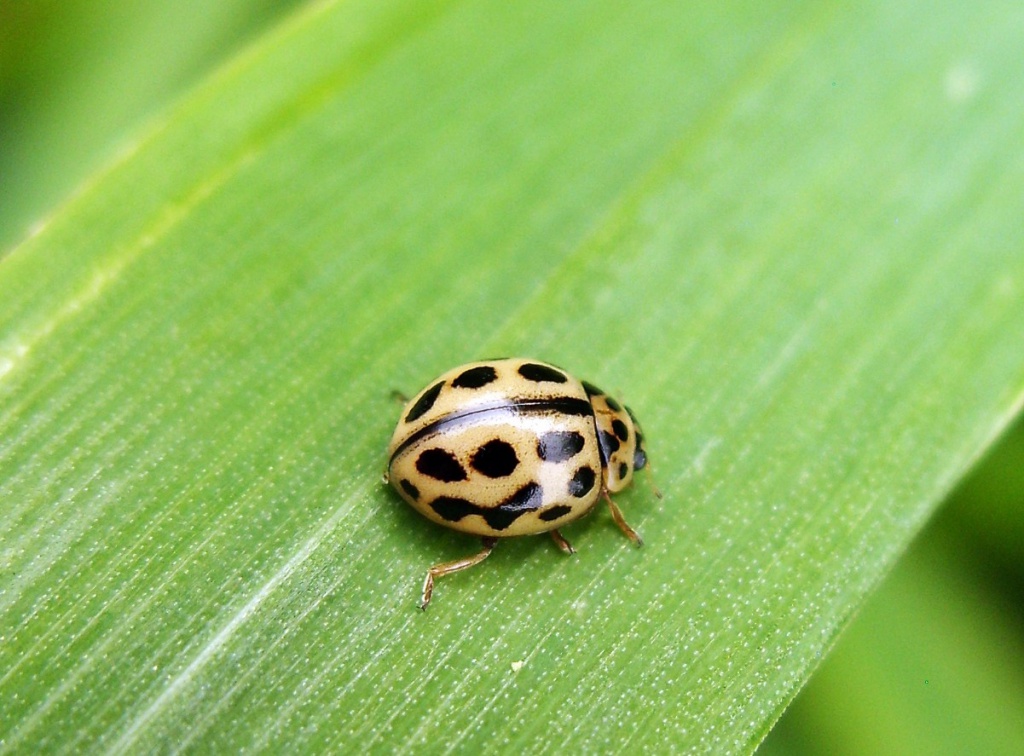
[447, 568]
[561, 543]
[621, 521]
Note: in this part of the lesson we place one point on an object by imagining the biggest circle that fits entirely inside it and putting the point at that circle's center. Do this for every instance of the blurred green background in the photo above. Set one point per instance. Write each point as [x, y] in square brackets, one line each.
[78, 79]
[933, 664]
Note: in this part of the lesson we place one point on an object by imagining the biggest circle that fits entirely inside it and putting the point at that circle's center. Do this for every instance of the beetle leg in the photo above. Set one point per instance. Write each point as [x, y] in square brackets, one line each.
[561, 543]
[621, 521]
[447, 568]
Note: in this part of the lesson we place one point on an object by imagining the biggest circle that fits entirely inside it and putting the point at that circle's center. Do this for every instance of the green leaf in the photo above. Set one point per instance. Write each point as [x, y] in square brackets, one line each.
[931, 665]
[935, 661]
[788, 236]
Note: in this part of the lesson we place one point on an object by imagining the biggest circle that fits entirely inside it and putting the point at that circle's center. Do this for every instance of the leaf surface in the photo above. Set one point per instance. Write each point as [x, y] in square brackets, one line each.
[787, 235]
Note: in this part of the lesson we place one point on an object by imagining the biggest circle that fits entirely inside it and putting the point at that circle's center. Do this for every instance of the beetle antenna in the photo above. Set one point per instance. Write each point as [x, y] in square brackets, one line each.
[650, 480]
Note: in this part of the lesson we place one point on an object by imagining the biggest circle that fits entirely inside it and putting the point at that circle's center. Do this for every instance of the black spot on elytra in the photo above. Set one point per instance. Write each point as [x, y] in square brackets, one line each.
[409, 488]
[424, 403]
[452, 509]
[623, 470]
[558, 446]
[440, 465]
[495, 459]
[609, 443]
[613, 405]
[527, 499]
[475, 377]
[591, 389]
[531, 371]
[561, 510]
[582, 482]
[621, 431]
[500, 519]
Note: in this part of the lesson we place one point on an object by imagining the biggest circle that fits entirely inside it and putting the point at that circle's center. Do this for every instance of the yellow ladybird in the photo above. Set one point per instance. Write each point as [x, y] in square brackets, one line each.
[512, 447]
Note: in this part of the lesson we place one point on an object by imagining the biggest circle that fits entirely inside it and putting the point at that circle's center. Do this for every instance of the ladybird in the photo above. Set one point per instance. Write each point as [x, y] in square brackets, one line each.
[512, 447]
